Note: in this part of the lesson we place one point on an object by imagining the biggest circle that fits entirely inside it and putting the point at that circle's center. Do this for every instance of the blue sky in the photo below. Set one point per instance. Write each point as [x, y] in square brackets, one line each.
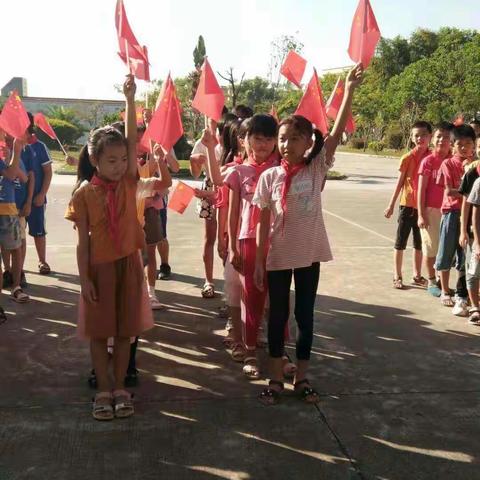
[71, 52]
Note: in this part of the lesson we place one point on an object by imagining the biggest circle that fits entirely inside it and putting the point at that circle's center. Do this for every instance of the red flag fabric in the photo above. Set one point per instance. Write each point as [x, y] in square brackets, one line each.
[209, 98]
[181, 197]
[41, 122]
[131, 52]
[293, 67]
[14, 119]
[166, 127]
[312, 105]
[364, 34]
[334, 103]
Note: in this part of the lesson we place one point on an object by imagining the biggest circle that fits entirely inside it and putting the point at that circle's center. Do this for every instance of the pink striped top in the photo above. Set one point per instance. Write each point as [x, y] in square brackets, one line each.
[301, 239]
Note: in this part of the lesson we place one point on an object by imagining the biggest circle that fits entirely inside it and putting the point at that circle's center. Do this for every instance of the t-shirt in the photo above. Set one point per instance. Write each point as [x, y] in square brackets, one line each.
[451, 173]
[243, 179]
[297, 238]
[90, 202]
[474, 197]
[429, 168]
[465, 189]
[35, 157]
[200, 149]
[21, 188]
[7, 193]
[409, 164]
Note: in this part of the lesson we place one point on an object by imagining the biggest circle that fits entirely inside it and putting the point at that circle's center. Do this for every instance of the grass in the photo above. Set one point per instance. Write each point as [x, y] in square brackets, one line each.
[387, 152]
[61, 168]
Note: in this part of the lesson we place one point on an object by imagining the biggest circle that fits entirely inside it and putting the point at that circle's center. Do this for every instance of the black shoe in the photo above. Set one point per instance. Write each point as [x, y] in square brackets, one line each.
[7, 279]
[131, 380]
[92, 379]
[165, 272]
[23, 280]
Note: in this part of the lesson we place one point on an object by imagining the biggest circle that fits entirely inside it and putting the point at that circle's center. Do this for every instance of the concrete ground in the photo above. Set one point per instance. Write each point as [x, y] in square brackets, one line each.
[399, 375]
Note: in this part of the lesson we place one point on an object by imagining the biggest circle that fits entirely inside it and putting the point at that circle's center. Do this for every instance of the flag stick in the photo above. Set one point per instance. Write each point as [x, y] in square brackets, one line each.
[128, 57]
[61, 146]
[206, 121]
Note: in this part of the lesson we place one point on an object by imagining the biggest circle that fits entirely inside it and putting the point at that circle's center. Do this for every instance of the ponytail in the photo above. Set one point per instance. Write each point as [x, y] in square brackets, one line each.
[317, 146]
[85, 169]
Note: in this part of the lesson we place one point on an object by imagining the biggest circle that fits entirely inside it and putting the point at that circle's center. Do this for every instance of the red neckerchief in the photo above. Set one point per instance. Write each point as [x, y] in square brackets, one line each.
[112, 213]
[290, 171]
[254, 214]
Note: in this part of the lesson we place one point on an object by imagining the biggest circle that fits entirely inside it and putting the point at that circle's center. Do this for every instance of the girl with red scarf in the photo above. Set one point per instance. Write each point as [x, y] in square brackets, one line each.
[293, 233]
[114, 301]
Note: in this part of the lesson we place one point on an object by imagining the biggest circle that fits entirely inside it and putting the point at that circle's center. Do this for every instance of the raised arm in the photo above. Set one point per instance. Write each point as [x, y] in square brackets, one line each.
[354, 79]
[129, 88]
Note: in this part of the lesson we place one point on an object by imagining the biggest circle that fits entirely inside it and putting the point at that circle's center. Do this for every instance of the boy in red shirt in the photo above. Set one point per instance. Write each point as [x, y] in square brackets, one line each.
[451, 173]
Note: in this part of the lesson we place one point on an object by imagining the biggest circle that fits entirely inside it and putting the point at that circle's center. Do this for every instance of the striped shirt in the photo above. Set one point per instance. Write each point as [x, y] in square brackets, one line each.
[297, 238]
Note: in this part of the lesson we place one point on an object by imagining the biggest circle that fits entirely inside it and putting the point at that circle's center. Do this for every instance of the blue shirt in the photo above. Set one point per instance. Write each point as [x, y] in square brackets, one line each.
[21, 190]
[35, 156]
[7, 193]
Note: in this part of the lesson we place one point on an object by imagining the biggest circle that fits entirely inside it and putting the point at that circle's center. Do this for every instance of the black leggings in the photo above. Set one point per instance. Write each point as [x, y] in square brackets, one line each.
[306, 283]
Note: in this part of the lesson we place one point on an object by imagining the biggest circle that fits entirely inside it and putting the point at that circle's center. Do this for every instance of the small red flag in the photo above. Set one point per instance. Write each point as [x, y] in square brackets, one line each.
[14, 119]
[312, 105]
[364, 34]
[165, 127]
[209, 98]
[131, 52]
[181, 197]
[334, 103]
[42, 123]
[293, 67]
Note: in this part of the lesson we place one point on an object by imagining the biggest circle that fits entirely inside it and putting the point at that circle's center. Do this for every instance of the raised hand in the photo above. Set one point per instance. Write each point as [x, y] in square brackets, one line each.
[208, 139]
[355, 76]
[129, 87]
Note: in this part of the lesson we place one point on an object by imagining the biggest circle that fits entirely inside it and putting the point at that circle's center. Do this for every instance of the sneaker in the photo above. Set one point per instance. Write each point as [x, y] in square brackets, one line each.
[23, 280]
[461, 307]
[165, 272]
[7, 279]
[154, 303]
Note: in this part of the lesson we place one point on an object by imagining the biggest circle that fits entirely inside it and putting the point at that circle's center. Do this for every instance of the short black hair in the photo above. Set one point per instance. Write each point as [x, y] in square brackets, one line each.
[260, 124]
[463, 131]
[423, 124]
[448, 126]
[242, 111]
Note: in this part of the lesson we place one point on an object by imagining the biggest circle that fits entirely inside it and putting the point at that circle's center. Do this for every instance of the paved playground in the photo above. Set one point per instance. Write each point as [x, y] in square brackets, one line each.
[399, 375]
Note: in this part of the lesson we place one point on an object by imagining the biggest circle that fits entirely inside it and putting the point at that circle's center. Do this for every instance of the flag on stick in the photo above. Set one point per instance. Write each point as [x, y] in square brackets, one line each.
[312, 105]
[165, 127]
[293, 67]
[42, 123]
[181, 197]
[334, 103]
[134, 55]
[364, 34]
[14, 119]
[209, 98]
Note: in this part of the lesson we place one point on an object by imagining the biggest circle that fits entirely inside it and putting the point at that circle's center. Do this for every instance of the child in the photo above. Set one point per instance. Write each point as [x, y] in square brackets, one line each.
[10, 239]
[114, 300]
[260, 139]
[472, 273]
[205, 207]
[430, 197]
[36, 158]
[450, 176]
[289, 197]
[407, 216]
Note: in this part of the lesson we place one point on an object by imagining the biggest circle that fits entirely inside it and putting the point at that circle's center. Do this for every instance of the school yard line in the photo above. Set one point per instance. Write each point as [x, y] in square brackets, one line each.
[373, 232]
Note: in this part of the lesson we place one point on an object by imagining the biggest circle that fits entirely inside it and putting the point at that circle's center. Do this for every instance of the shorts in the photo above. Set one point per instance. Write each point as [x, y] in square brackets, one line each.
[23, 228]
[36, 221]
[163, 220]
[10, 232]
[472, 267]
[448, 246]
[408, 222]
[153, 226]
[431, 234]
[205, 208]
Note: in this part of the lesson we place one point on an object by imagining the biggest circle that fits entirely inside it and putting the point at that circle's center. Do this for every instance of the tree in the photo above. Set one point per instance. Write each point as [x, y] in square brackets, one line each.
[199, 53]
[234, 88]
[69, 115]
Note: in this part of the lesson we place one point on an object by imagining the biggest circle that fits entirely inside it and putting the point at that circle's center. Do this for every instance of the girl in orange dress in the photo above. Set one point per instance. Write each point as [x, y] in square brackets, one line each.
[113, 301]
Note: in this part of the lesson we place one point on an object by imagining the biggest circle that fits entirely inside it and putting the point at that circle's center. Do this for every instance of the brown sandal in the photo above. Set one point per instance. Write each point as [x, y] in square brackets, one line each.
[44, 268]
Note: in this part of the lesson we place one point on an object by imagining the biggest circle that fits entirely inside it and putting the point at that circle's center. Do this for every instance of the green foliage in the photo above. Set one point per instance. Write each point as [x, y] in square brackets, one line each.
[199, 52]
[376, 146]
[110, 118]
[358, 143]
[66, 132]
[394, 137]
[182, 148]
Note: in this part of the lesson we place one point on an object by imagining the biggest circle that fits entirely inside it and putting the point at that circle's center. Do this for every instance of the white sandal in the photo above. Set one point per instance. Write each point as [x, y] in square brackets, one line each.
[250, 369]
[102, 411]
[123, 404]
[19, 296]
